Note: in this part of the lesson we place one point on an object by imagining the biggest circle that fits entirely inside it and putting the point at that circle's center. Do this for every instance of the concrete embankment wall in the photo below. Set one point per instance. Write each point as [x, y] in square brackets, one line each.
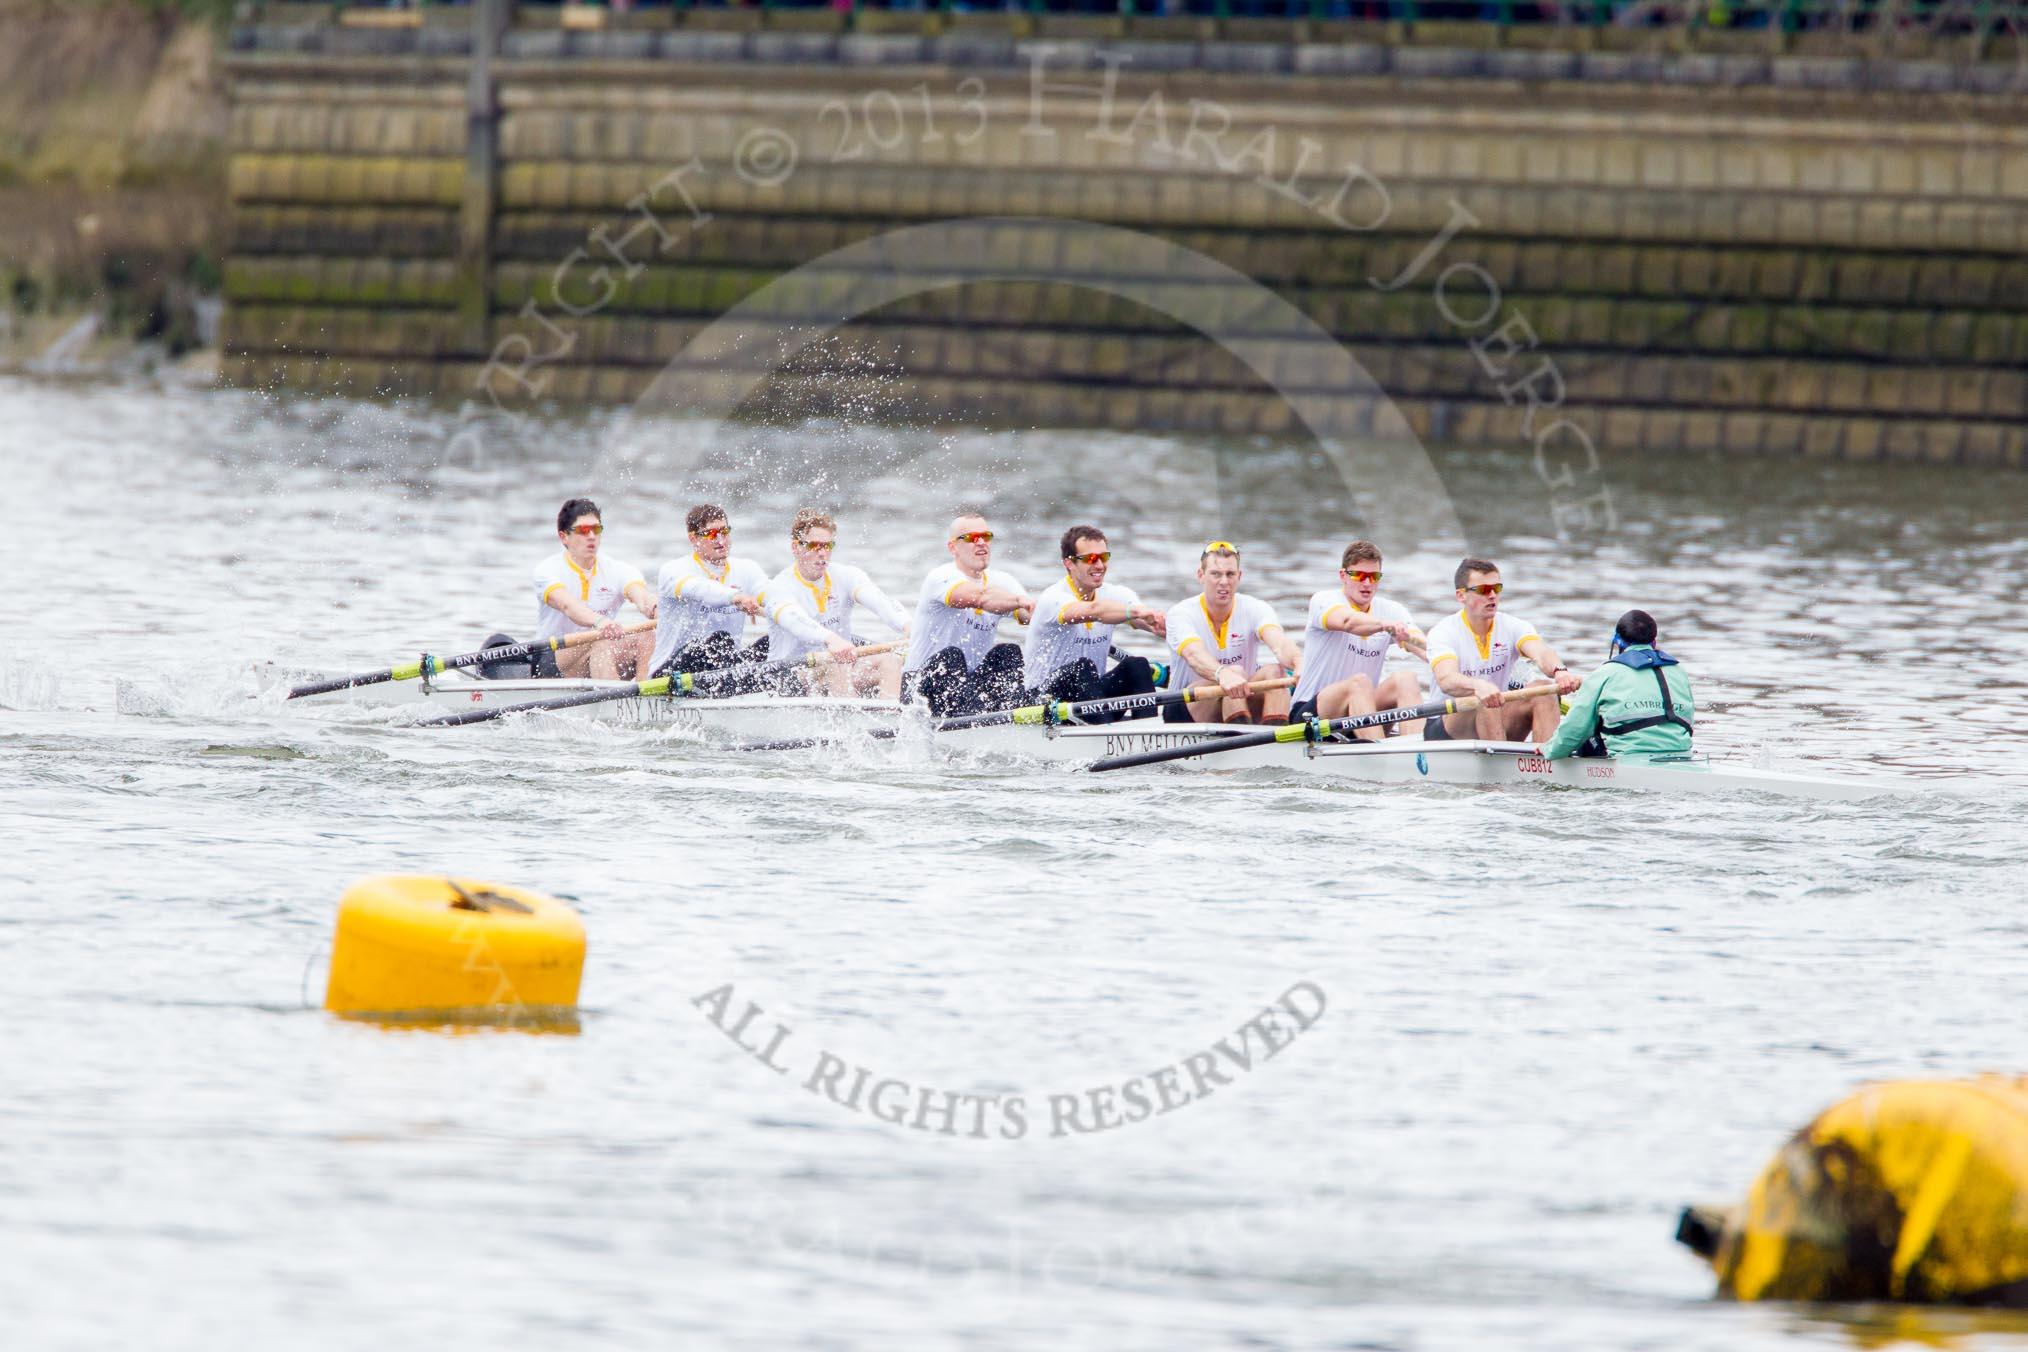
[1779, 254]
[112, 174]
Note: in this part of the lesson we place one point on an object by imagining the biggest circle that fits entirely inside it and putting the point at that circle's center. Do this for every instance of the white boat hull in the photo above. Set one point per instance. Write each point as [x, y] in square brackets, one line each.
[1406, 760]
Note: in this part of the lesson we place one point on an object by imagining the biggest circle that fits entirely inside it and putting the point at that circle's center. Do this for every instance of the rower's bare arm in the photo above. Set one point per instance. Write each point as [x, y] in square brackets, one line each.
[1453, 682]
[1354, 623]
[1197, 656]
[1100, 612]
[576, 611]
[1283, 647]
[1152, 621]
[992, 600]
[1549, 664]
[642, 597]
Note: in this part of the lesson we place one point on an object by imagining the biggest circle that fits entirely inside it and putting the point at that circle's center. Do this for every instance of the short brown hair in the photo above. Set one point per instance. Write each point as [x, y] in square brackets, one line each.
[1469, 566]
[1358, 552]
[1068, 549]
[703, 515]
[809, 517]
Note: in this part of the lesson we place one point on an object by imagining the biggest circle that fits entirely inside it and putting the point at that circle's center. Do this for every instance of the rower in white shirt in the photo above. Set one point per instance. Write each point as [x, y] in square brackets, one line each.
[1070, 640]
[1223, 635]
[810, 605]
[1346, 642]
[705, 600]
[1473, 653]
[954, 665]
[577, 590]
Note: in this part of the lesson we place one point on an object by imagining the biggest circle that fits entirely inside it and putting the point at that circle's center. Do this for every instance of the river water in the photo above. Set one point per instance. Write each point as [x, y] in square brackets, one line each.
[1548, 1019]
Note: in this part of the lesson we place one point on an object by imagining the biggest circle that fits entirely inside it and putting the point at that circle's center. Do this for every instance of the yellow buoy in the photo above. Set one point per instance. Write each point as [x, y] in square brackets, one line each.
[409, 943]
[1914, 1191]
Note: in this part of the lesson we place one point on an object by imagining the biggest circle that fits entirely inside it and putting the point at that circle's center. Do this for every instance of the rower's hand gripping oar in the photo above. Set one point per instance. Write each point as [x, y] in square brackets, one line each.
[1056, 711]
[1313, 729]
[437, 666]
[686, 683]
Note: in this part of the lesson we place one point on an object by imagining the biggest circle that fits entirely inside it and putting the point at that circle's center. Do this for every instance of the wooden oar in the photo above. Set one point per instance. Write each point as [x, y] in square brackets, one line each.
[1039, 713]
[1313, 729]
[686, 683]
[437, 666]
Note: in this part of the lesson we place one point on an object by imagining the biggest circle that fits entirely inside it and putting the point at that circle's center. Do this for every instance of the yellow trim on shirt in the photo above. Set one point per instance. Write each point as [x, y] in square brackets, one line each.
[1325, 622]
[584, 579]
[706, 569]
[554, 586]
[1188, 639]
[1218, 630]
[823, 598]
[1486, 643]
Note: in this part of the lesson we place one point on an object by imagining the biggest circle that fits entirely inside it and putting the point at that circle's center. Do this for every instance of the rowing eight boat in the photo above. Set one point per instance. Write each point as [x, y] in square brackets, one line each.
[1396, 760]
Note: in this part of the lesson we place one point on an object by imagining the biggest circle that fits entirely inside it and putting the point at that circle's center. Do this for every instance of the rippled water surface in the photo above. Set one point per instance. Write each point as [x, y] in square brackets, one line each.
[1550, 1018]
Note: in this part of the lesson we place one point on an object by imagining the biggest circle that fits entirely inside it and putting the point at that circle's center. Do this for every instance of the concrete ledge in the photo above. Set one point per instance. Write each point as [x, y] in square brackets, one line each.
[794, 48]
[882, 49]
[1334, 58]
[444, 42]
[1136, 55]
[524, 44]
[696, 46]
[959, 48]
[607, 45]
[1811, 72]
[1439, 63]
[1531, 65]
[1251, 58]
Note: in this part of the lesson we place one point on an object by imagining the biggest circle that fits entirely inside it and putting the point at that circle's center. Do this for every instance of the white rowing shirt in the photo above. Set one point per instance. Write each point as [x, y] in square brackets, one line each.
[696, 601]
[802, 614]
[1334, 655]
[1237, 643]
[604, 589]
[1054, 645]
[940, 625]
[1491, 661]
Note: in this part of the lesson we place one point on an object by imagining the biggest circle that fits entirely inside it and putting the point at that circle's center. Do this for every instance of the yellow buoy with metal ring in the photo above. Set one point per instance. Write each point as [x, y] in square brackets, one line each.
[1914, 1191]
[408, 943]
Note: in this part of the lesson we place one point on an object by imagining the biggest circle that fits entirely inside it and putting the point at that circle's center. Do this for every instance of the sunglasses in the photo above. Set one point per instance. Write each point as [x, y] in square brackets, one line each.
[1089, 559]
[1357, 576]
[974, 537]
[715, 533]
[587, 530]
[1221, 547]
[1487, 588]
[821, 546]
